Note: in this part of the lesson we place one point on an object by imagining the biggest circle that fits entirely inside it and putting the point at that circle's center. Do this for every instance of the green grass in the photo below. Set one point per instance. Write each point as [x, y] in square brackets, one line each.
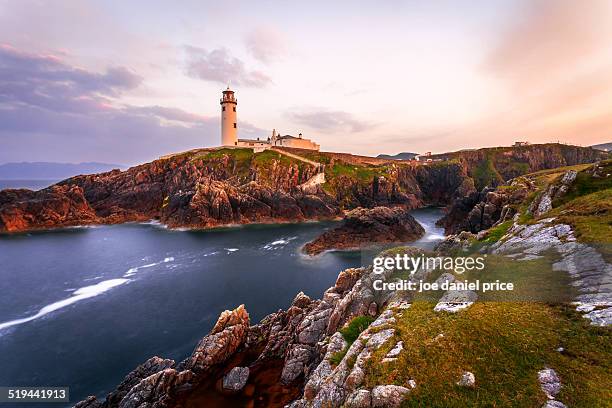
[485, 174]
[504, 344]
[363, 174]
[351, 331]
[586, 184]
[497, 232]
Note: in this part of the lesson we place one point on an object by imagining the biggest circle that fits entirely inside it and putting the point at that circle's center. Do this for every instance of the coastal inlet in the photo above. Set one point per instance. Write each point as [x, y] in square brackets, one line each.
[82, 307]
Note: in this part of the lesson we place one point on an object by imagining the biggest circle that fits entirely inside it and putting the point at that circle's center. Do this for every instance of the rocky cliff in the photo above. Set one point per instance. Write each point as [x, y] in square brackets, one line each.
[289, 345]
[363, 227]
[493, 166]
[210, 187]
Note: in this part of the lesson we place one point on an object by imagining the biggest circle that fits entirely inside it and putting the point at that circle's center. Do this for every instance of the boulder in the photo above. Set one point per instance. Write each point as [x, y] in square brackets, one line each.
[236, 379]
[467, 379]
[388, 396]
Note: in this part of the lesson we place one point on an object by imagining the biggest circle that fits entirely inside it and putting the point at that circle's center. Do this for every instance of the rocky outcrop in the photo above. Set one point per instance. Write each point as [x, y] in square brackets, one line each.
[158, 382]
[482, 210]
[591, 274]
[56, 206]
[364, 227]
[543, 202]
[236, 379]
[490, 166]
[301, 340]
[225, 338]
[210, 187]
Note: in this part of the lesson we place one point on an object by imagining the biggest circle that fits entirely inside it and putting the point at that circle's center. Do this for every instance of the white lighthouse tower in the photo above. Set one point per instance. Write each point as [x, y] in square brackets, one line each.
[229, 123]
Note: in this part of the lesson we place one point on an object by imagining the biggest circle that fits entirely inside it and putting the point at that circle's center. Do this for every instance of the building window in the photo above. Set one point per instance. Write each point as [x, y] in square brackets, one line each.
[234, 109]
[224, 109]
[234, 125]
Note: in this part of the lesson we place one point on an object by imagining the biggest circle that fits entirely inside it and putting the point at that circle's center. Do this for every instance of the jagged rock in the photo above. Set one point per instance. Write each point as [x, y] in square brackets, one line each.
[467, 379]
[229, 333]
[55, 206]
[364, 227]
[146, 369]
[89, 402]
[388, 396]
[296, 362]
[359, 399]
[156, 390]
[454, 300]
[236, 379]
[301, 300]
[550, 383]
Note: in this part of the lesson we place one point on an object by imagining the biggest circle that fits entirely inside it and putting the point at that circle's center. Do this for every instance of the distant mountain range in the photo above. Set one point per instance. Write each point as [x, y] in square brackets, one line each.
[51, 171]
[399, 156]
[603, 146]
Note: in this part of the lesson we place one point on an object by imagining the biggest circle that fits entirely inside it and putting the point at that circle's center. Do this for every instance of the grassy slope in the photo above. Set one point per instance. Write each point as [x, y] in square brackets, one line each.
[507, 338]
[504, 344]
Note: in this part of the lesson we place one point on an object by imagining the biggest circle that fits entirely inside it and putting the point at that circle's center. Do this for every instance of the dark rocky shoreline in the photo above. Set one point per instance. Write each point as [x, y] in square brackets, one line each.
[364, 227]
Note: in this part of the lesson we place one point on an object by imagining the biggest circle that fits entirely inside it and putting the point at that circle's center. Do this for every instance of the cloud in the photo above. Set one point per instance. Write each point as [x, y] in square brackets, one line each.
[550, 38]
[328, 120]
[265, 44]
[72, 114]
[220, 66]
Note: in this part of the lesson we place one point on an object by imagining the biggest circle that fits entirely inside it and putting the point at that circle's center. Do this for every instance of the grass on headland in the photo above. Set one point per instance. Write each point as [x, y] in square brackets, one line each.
[350, 333]
[504, 344]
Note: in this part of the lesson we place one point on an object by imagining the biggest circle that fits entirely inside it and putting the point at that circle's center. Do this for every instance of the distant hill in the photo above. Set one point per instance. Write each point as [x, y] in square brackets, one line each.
[399, 156]
[603, 146]
[51, 171]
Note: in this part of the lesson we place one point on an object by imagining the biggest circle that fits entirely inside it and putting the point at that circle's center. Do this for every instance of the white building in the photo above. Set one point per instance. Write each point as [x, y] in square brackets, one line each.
[229, 121]
[229, 130]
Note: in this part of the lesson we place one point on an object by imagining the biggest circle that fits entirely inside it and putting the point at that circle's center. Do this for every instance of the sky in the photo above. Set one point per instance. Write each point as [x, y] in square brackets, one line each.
[126, 82]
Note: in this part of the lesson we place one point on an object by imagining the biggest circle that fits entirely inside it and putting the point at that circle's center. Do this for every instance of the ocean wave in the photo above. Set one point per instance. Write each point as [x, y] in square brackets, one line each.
[78, 295]
[135, 269]
[278, 243]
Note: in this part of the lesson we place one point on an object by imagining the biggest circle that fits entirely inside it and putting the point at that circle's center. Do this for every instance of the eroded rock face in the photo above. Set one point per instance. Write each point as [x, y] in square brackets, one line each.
[156, 390]
[210, 187]
[226, 337]
[236, 379]
[364, 227]
[304, 337]
[56, 206]
[482, 210]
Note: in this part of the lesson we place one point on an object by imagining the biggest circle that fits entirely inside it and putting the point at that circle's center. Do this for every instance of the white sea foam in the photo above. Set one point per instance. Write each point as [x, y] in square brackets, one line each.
[78, 295]
[278, 243]
[434, 237]
[135, 269]
[229, 250]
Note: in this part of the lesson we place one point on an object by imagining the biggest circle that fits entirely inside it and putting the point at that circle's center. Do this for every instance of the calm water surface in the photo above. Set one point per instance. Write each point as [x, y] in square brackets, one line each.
[82, 307]
[29, 184]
